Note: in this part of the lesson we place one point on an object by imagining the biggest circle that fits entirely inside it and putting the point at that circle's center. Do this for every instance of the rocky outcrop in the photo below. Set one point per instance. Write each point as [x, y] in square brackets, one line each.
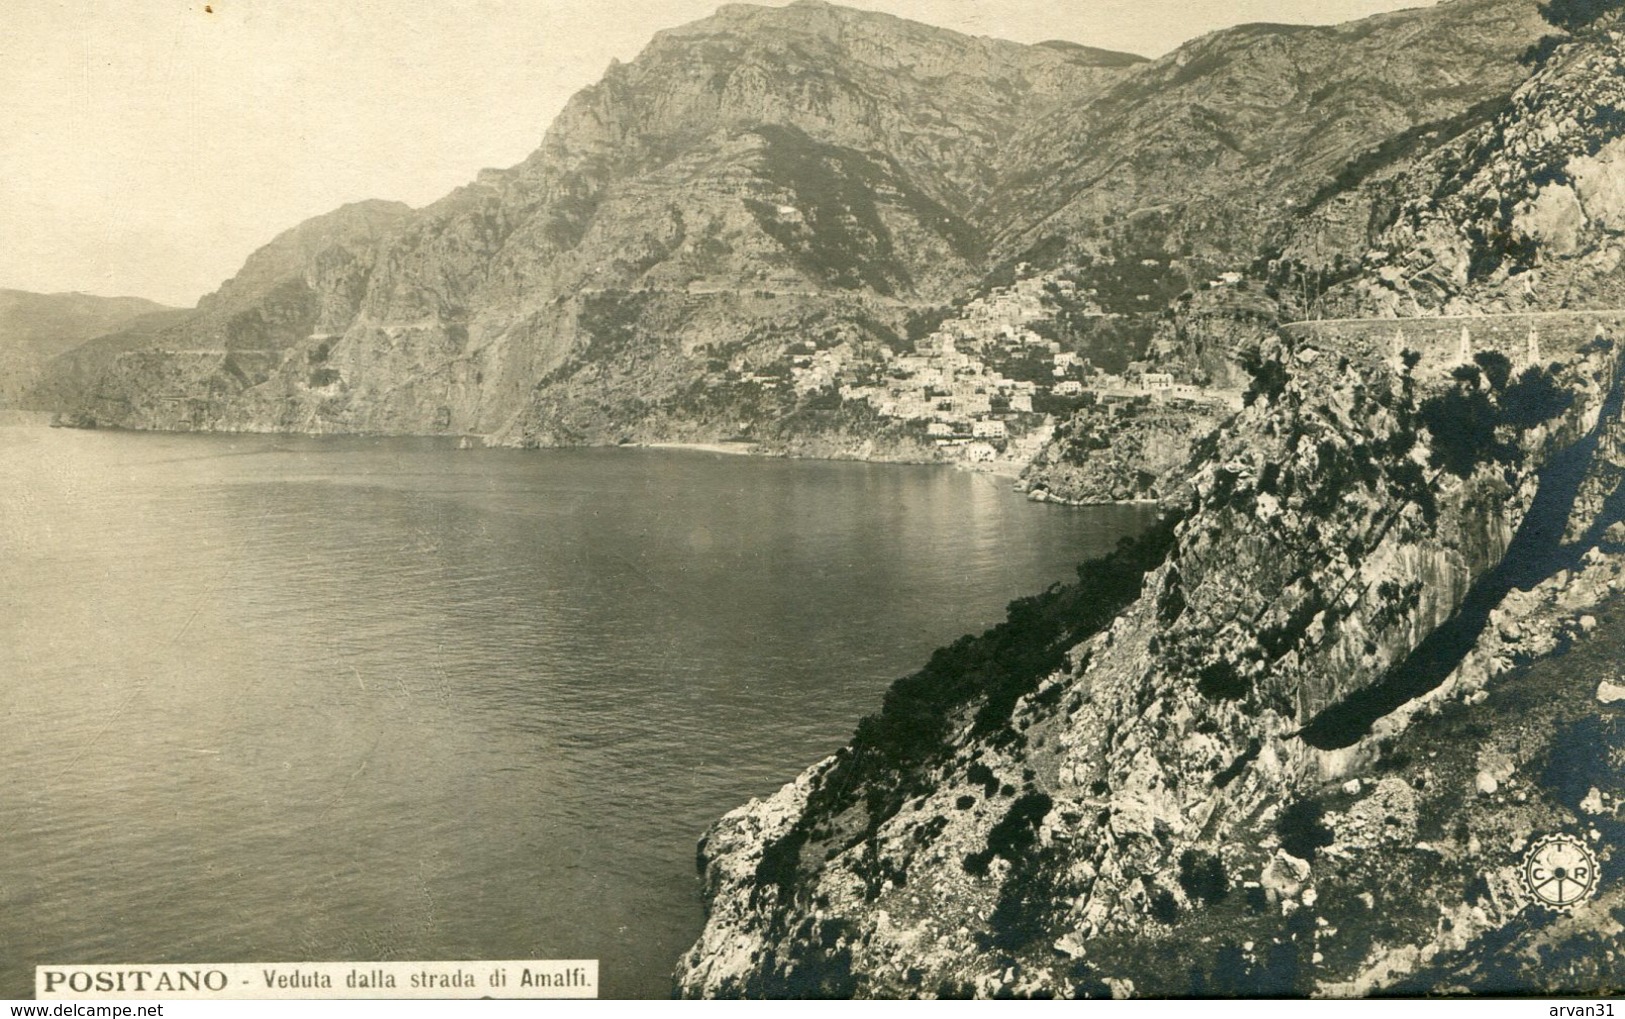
[1135, 452]
[1230, 743]
[1518, 211]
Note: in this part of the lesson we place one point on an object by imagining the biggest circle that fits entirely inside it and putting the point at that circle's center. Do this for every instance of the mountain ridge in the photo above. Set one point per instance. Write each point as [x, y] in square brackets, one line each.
[858, 167]
[34, 328]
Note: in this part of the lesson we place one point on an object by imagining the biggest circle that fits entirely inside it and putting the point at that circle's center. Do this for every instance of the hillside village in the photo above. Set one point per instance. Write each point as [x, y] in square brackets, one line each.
[987, 386]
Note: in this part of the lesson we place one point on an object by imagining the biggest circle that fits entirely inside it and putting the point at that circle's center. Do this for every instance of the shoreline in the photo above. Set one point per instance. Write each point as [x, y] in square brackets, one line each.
[999, 469]
[1006, 470]
[1044, 495]
[724, 448]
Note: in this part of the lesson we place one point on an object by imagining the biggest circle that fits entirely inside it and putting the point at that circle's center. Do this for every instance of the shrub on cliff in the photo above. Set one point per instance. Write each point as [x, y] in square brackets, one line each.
[1202, 875]
[1577, 15]
[1268, 375]
[1301, 829]
[1015, 834]
[1534, 398]
[1030, 901]
[1464, 419]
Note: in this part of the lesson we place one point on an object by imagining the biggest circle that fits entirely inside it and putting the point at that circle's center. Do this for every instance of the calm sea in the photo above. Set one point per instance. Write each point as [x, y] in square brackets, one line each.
[267, 698]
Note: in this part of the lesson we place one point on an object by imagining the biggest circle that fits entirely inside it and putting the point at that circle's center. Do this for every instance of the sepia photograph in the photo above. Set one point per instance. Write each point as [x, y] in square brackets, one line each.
[889, 499]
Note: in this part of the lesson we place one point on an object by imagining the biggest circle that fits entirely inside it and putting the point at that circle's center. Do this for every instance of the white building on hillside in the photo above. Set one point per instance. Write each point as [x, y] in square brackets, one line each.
[988, 430]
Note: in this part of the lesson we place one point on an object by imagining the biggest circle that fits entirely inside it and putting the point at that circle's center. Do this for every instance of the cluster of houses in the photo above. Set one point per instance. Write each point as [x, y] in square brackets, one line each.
[950, 383]
[946, 381]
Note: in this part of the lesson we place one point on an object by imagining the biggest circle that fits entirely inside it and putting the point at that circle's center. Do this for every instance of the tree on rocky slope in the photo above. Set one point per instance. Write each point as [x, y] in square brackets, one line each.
[1578, 15]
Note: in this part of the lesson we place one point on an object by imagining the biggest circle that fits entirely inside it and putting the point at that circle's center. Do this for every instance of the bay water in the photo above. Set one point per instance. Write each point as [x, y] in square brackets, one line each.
[266, 698]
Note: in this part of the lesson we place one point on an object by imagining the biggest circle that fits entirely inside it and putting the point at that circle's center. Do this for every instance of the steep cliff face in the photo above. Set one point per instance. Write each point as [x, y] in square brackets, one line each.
[302, 289]
[937, 102]
[309, 280]
[1191, 754]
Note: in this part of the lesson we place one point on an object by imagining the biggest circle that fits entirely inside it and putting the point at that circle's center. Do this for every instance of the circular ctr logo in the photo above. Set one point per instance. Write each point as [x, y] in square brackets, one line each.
[1560, 871]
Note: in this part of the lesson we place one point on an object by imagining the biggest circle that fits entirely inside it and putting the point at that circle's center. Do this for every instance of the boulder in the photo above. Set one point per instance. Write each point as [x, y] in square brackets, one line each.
[1285, 875]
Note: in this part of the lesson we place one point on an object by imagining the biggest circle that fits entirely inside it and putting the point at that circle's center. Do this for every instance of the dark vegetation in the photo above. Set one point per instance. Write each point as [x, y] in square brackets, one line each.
[1007, 662]
[1130, 279]
[982, 775]
[1037, 888]
[1578, 15]
[1233, 770]
[1135, 276]
[922, 322]
[1109, 343]
[610, 320]
[833, 979]
[891, 751]
[1029, 901]
[1280, 969]
[1268, 376]
[1203, 877]
[1015, 834]
[843, 241]
[1541, 50]
[1589, 753]
[1464, 420]
[1302, 830]
[1300, 286]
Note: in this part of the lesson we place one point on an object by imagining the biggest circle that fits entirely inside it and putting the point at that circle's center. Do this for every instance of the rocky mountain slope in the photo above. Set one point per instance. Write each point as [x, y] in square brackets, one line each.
[1530, 212]
[1215, 147]
[34, 328]
[1298, 738]
[772, 176]
[302, 288]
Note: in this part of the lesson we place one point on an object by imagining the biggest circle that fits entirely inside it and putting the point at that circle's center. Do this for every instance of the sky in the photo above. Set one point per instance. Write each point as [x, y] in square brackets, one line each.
[147, 147]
